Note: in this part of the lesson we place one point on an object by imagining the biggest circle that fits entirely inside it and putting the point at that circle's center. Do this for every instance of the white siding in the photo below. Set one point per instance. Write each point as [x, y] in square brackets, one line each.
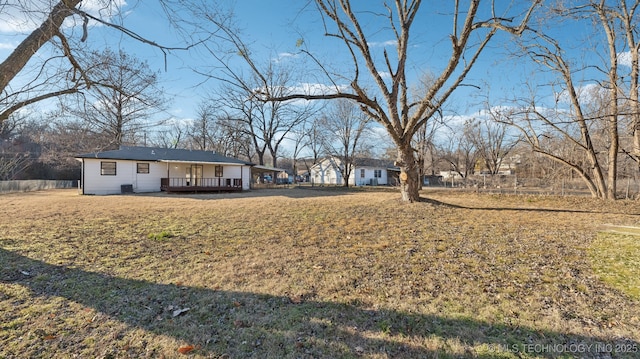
[95, 183]
[149, 182]
[333, 176]
[325, 173]
[318, 172]
[126, 174]
[369, 175]
[246, 177]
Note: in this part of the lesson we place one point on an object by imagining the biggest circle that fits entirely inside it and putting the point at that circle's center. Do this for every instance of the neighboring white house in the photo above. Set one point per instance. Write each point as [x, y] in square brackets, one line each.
[151, 169]
[365, 171]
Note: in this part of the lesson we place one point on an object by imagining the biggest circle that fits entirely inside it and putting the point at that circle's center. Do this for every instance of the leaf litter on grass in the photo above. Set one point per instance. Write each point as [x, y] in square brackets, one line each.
[317, 273]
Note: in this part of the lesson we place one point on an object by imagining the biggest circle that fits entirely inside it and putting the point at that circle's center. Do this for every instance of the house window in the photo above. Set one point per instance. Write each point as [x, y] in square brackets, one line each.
[362, 173]
[107, 168]
[142, 168]
[218, 171]
[377, 173]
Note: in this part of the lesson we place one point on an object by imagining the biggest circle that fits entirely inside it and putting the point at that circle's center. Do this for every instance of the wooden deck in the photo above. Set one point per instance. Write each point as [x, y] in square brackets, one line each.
[201, 185]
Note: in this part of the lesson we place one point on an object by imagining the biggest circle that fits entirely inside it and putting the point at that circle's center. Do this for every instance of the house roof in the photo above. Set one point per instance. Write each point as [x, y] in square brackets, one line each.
[364, 162]
[159, 154]
[264, 169]
[372, 162]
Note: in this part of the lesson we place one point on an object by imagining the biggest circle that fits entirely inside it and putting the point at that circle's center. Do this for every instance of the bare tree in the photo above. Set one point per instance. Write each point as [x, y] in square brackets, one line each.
[586, 115]
[47, 84]
[622, 21]
[345, 129]
[385, 98]
[123, 101]
[459, 151]
[242, 117]
[313, 136]
[49, 29]
[266, 123]
[425, 148]
[423, 140]
[315, 139]
[172, 134]
[60, 139]
[8, 127]
[16, 154]
[300, 139]
[13, 164]
[492, 139]
[231, 142]
[201, 131]
[59, 72]
[544, 129]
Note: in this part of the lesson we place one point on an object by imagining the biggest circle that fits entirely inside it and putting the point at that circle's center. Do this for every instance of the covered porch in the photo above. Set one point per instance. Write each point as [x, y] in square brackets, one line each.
[203, 177]
[268, 177]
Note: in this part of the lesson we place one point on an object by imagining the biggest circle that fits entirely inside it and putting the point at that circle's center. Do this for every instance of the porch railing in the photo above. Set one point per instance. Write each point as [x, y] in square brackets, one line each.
[217, 183]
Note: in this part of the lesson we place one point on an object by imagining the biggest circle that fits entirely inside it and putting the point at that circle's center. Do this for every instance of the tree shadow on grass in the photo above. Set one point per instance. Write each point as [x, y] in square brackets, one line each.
[244, 324]
[289, 192]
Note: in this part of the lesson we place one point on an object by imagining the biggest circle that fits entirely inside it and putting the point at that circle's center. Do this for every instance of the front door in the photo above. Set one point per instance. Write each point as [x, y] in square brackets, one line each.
[195, 175]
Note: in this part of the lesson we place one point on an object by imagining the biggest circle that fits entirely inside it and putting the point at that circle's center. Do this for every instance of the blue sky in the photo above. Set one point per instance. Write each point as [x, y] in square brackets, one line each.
[272, 28]
[266, 27]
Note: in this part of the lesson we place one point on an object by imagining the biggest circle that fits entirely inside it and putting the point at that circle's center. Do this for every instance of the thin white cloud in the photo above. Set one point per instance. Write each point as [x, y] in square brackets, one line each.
[177, 121]
[284, 56]
[7, 46]
[588, 93]
[104, 8]
[458, 120]
[624, 59]
[316, 89]
[383, 43]
[12, 20]
[384, 74]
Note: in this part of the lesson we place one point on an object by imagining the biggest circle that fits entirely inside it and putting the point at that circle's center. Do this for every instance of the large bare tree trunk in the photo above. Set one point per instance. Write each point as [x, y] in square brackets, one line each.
[613, 108]
[629, 25]
[409, 184]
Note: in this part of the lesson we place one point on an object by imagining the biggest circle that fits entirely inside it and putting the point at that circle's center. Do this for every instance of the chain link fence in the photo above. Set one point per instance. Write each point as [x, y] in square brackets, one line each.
[627, 188]
[34, 185]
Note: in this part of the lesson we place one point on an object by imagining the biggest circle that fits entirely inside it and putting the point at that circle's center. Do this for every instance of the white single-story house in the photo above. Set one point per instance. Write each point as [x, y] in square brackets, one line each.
[365, 172]
[152, 169]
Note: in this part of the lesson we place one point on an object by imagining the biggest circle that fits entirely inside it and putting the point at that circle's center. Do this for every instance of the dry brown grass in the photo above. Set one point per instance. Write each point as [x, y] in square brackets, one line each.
[312, 273]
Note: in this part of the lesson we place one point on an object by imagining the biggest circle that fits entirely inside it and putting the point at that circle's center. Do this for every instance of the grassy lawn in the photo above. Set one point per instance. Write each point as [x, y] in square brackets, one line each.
[316, 273]
[616, 259]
